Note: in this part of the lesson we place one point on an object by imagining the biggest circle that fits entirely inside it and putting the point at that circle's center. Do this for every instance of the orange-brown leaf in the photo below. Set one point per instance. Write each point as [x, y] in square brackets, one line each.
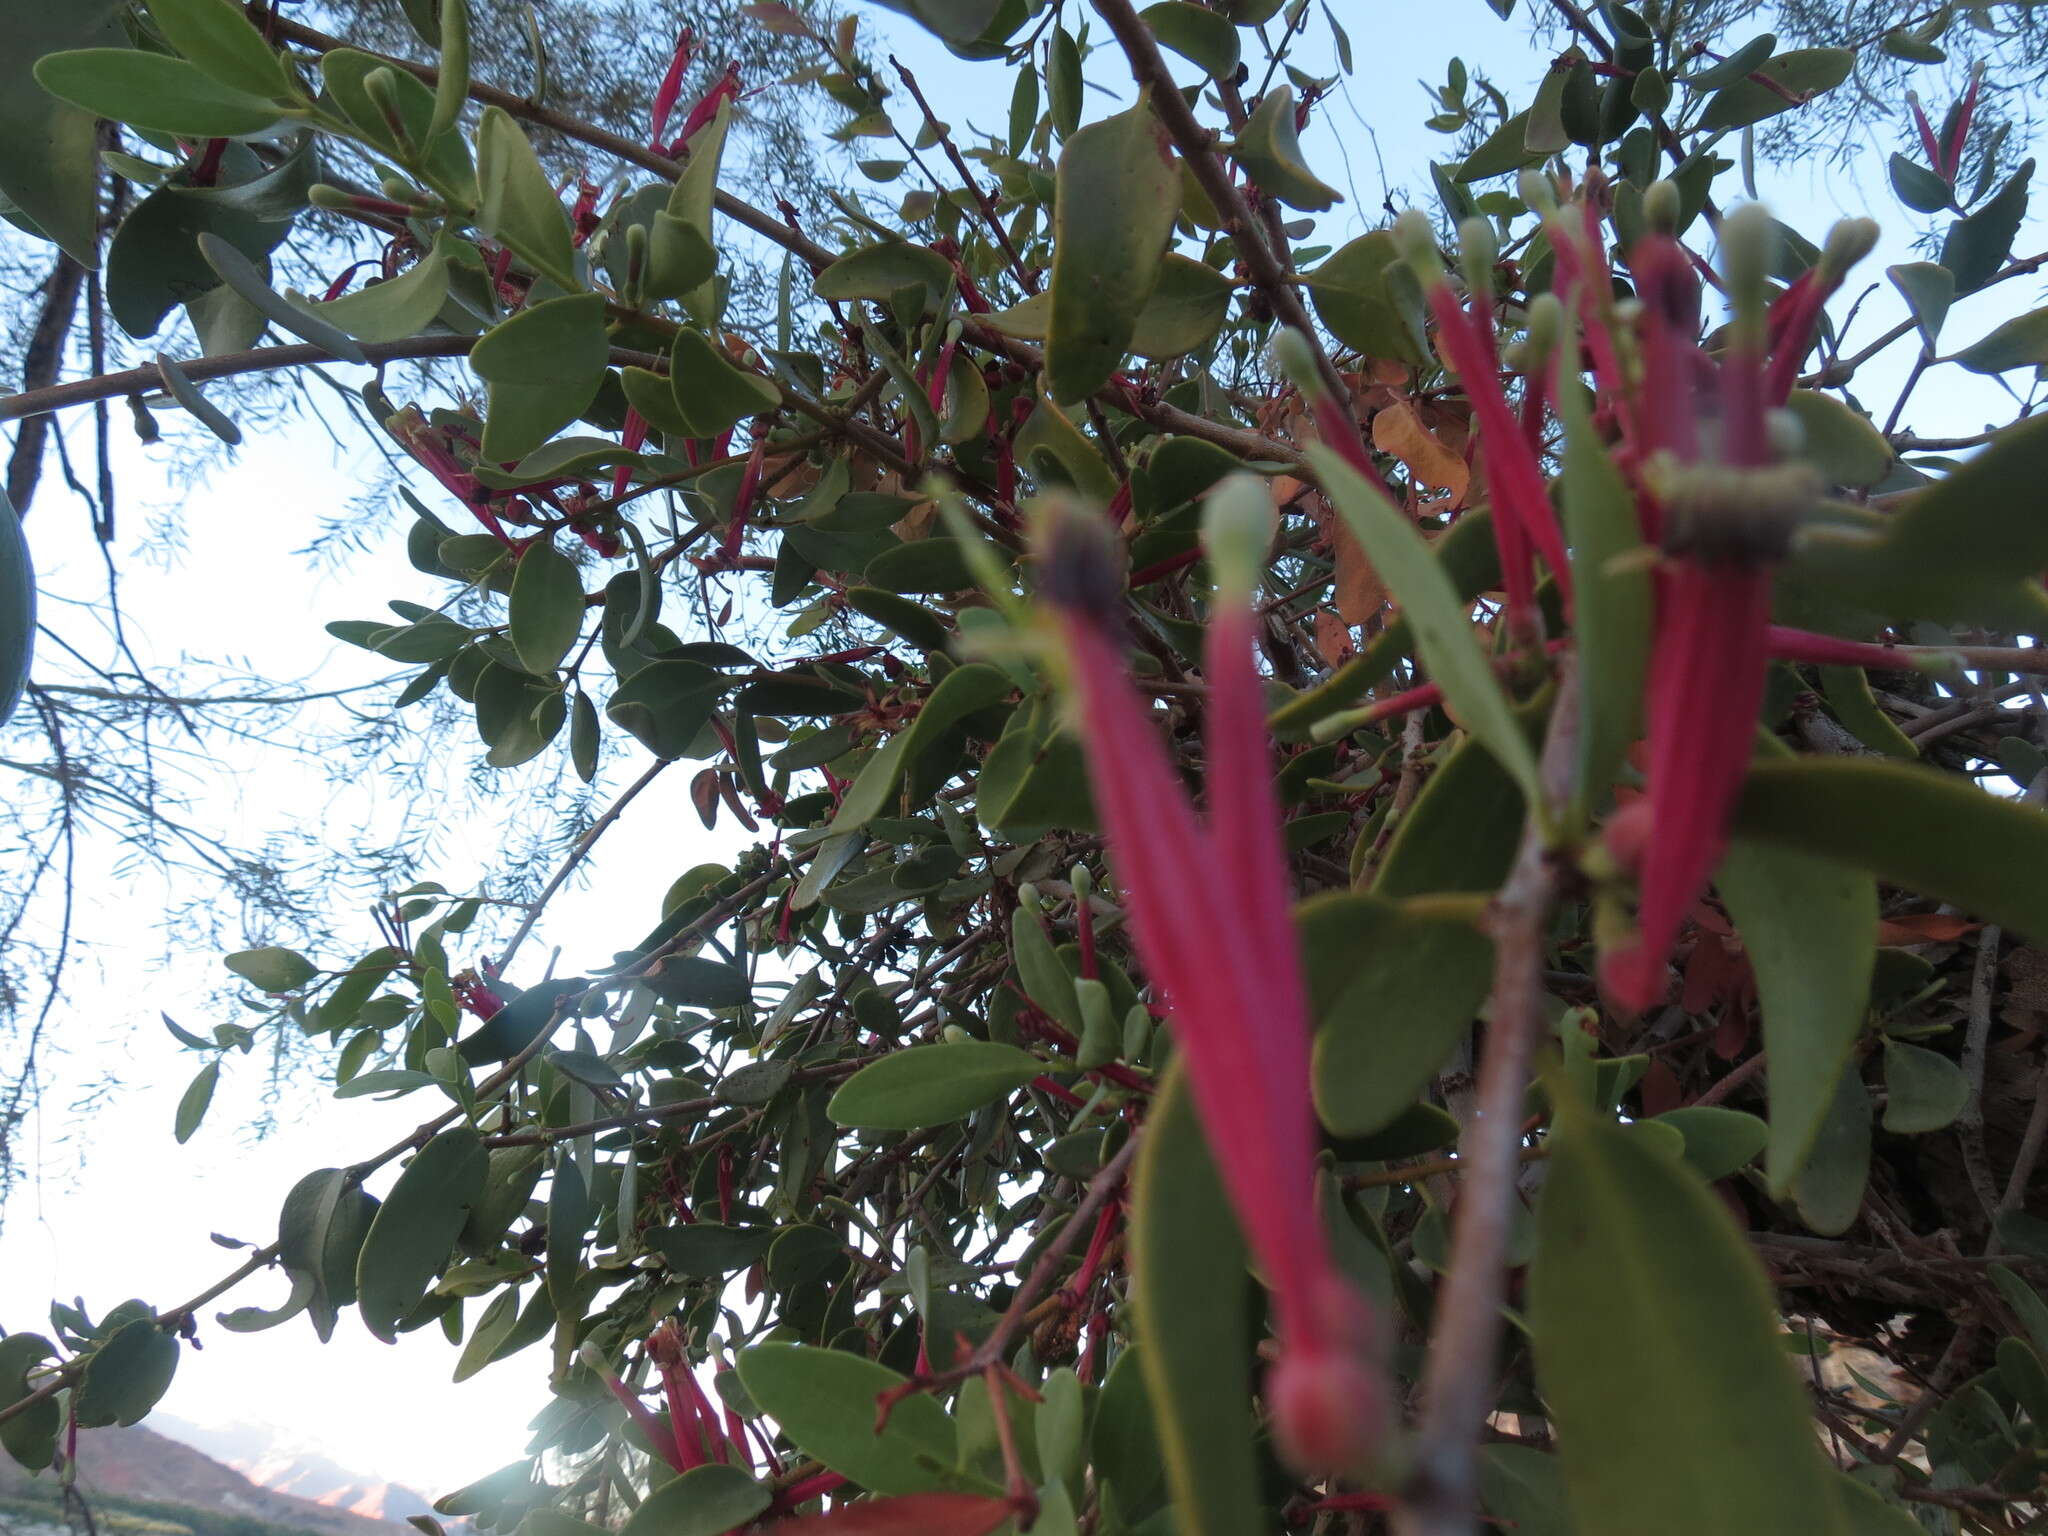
[1398, 430]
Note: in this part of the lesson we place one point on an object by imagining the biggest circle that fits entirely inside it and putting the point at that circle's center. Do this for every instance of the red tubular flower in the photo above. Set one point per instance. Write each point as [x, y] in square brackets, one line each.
[583, 217]
[705, 108]
[649, 1426]
[1210, 914]
[1928, 142]
[1956, 131]
[632, 439]
[671, 85]
[1522, 514]
[1726, 513]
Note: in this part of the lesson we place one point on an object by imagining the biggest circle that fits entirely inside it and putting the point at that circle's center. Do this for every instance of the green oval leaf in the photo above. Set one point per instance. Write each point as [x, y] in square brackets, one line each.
[1188, 306]
[1268, 148]
[1104, 269]
[1924, 1090]
[1928, 289]
[706, 1250]
[546, 610]
[1191, 1293]
[1202, 37]
[126, 1375]
[880, 272]
[704, 1501]
[395, 308]
[518, 204]
[824, 1400]
[17, 609]
[1810, 928]
[2021, 342]
[30, 1437]
[1717, 1141]
[51, 170]
[1642, 1291]
[1966, 549]
[930, 1085]
[1393, 987]
[193, 1101]
[1843, 444]
[543, 366]
[273, 968]
[414, 1231]
[151, 90]
[711, 391]
[218, 38]
[1795, 75]
[1930, 832]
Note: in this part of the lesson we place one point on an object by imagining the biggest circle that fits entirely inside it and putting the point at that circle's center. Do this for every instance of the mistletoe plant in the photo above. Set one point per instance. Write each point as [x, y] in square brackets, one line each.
[1385, 876]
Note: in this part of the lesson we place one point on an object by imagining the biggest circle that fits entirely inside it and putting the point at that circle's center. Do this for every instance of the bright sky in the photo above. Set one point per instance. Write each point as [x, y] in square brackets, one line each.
[119, 1209]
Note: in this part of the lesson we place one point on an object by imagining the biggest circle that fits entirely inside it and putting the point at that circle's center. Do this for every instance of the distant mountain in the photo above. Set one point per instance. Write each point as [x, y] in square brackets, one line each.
[141, 1466]
[276, 1460]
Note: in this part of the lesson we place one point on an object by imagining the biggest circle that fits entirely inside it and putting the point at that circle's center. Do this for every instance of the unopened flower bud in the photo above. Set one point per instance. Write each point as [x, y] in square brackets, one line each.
[1083, 884]
[1296, 359]
[1237, 535]
[1546, 326]
[1478, 250]
[381, 86]
[1537, 190]
[1661, 207]
[1748, 236]
[1417, 244]
[1848, 243]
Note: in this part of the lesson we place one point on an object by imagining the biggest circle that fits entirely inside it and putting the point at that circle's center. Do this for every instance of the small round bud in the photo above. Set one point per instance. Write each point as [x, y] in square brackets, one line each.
[1296, 358]
[1848, 243]
[1237, 535]
[325, 195]
[955, 1035]
[1749, 237]
[1027, 897]
[1478, 251]
[1662, 206]
[1082, 882]
[1546, 330]
[1537, 190]
[1416, 241]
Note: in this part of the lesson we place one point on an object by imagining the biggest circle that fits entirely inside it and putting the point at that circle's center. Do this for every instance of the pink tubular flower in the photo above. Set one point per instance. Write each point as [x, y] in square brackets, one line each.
[1211, 918]
[1522, 515]
[1724, 511]
[671, 85]
[726, 88]
[632, 439]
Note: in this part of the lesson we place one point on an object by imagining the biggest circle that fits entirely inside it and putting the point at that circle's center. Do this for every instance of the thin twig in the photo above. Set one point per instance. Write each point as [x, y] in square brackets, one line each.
[576, 856]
